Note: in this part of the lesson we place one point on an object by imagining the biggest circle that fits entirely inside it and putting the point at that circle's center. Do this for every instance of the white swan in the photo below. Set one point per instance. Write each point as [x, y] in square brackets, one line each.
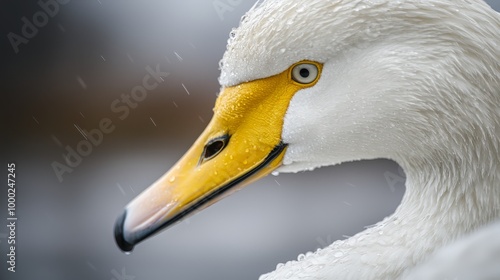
[309, 84]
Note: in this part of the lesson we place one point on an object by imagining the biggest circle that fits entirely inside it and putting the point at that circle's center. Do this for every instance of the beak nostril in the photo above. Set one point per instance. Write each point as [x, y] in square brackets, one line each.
[214, 147]
[119, 238]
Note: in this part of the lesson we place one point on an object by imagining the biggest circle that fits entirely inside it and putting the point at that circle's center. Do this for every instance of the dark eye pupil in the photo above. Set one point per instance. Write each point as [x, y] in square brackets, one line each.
[304, 73]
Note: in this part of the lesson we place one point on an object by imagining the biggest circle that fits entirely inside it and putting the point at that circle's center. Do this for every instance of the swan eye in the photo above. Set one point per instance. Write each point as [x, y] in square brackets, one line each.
[304, 73]
[214, 147]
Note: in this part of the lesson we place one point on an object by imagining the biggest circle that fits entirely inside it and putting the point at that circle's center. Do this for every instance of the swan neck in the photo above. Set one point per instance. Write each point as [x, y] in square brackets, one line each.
[457, 197]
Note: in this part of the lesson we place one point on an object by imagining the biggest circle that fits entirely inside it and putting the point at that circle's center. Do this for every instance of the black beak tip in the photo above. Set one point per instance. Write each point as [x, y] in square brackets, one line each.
[119, 238]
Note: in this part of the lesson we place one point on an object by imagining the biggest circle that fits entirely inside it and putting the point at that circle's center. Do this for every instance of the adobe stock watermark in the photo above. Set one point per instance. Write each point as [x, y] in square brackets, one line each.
[121, 276]
[223, 6]
[395, 180]
[73, 156]
[48, 9]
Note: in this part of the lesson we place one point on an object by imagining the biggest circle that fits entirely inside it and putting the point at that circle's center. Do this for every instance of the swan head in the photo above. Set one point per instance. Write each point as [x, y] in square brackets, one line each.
[308, 85]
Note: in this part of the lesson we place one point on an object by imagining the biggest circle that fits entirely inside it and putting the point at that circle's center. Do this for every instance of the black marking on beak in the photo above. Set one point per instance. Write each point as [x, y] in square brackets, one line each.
[120, 240]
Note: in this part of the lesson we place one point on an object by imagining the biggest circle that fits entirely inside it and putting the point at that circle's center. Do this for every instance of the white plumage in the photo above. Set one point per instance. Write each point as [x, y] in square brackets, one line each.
[475, 257]
[413, 81]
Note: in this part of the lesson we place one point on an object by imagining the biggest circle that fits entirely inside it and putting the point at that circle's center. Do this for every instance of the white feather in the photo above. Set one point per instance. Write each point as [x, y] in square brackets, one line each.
[413, 81]
[475, 257]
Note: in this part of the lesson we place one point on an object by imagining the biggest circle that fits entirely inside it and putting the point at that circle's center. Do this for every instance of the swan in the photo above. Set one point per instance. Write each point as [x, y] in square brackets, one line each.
[317, 83]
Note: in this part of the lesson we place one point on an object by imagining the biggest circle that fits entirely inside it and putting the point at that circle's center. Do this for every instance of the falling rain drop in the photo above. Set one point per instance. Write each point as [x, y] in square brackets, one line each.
[185, 89]
[91, 266]
[81, 82]
[56, 140]
[130, 58]
[120, 188]
[61, 27]
[178, 56]
[81, 131]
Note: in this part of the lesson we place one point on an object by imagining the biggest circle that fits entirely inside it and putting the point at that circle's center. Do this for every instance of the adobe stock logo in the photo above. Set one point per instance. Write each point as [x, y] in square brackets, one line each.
[40, 18]
[223, 6]
[122, 107]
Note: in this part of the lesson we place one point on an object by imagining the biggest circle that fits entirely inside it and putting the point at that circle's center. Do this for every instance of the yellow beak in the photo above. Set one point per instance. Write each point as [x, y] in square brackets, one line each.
[242, 143]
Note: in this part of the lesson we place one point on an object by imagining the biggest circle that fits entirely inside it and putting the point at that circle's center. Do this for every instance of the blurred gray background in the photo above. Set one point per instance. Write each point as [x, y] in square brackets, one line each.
[65, 78]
